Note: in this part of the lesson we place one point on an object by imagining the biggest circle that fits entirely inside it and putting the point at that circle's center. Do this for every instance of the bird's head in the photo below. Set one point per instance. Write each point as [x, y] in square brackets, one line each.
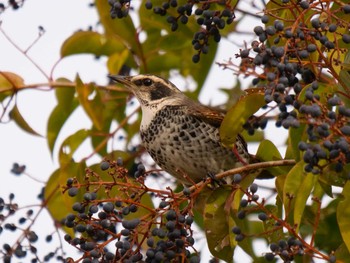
[152, 92]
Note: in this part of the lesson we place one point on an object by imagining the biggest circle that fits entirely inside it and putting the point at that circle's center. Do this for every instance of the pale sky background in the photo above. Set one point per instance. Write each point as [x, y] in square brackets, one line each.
[60, 19]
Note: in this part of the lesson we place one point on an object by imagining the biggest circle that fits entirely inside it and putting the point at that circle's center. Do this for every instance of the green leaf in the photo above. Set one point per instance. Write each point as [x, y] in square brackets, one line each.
[59, 204]
[267, 151]
[344, 73]
[66, 104]
[99, 139]
[89, 42]
[324, 90]
[237, 116]
[295, 135]
[70, 145]
[93, 106]
[17, 117]
[10, 81]
[55, 202]
[343, 215]
[330, 176]
[342, 253]
[258, 136]
[218, 223]
[297, 188]
[116, 61]
[163, 63]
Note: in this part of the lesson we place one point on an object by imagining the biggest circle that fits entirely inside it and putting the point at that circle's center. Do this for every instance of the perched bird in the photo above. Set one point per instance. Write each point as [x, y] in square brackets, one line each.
[182, 135]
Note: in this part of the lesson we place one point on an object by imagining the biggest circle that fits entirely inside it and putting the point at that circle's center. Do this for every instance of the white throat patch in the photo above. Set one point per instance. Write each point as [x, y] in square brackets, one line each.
[148, 113]
[150, 110]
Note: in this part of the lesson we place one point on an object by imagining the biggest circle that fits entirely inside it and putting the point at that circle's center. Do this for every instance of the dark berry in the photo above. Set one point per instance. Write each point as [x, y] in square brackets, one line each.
[269, 256]
[70, 181]
[244, 53]
[270, 30]
[304, 4]
[195, 58]
[329, 44]
[239, 237]
[311, 48]
[258, 30]
[241, 214]
[262, 216]
[189, 220]
[125, 232]
[346, 9]
[346, 38]
[125, 210]
[104, 166]
[332, 28]
[274, 247]
[282, 244]
[278, 52]
[265, 19]
[108, 207]
[184, 19]
[315, 23]
[253, 188]
[237, 178]
[170, 215]
[278, 25]
[93, 209]
[345, 130]
[304, 54]
[163, 204]
[198, 11]
[288, 33]
[255, 197]
[244, 203]
[236, 230]
[174, 26]
[73, 191]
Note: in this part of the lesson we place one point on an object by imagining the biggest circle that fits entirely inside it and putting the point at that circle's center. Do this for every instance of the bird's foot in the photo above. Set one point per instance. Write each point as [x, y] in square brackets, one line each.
[214, 180]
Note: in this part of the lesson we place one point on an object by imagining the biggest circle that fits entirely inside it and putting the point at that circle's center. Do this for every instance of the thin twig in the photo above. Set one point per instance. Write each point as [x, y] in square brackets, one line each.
[24, 53]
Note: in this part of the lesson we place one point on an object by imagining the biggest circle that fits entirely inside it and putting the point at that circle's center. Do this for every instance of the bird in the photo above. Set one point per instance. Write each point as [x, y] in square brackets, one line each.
[180, 134]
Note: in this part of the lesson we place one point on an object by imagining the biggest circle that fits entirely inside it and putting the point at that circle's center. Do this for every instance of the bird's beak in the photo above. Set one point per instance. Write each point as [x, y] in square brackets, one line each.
[120, 79]
[124, 80]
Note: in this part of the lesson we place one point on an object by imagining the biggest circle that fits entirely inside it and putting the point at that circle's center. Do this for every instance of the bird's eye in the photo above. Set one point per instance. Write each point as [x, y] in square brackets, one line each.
[147, 82]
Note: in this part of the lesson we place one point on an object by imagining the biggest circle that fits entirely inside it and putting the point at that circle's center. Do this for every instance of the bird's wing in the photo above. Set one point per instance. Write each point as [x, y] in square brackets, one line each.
[213, 117]
[209, 115]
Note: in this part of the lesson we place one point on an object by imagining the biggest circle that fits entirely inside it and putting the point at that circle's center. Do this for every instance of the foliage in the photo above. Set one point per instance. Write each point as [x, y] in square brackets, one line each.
[299, 66]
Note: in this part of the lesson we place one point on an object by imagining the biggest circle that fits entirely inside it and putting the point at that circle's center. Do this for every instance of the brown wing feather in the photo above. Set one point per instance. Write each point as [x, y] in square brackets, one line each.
[213, 117]
[208, 115]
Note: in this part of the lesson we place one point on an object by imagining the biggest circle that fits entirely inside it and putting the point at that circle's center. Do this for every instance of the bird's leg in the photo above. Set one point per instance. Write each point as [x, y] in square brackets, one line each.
[238, 156]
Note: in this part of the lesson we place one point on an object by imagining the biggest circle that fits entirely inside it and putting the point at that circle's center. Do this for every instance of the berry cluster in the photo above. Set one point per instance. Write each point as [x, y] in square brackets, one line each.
[285, 249]
[18, 169]
[288, 61]
[116, 220]
[288, 246]
[285, 53]
[209, 19]
[119, 8]
[26, 245]
[174, 236]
